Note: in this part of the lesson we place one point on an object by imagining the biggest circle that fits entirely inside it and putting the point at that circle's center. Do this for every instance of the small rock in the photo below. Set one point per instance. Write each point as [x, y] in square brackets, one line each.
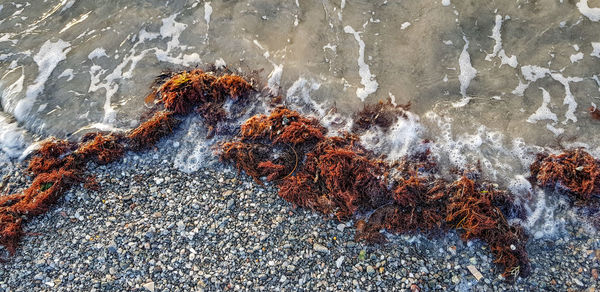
[339, 261]
[38, 276]
[149, 286]
[455, 279]
[577, 281]
[595, 274]
[452, 250]
[475, 272]
[320, 248]
[341, 227]
[362, 255]
[370, 270]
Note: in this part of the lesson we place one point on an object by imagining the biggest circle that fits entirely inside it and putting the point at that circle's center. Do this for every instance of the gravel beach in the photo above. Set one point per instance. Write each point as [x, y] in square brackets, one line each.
[151, 227]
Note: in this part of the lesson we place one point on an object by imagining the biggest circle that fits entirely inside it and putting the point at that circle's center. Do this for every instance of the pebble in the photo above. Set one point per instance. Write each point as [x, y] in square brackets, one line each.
[149, 286]
[320, 248]
[455, 279]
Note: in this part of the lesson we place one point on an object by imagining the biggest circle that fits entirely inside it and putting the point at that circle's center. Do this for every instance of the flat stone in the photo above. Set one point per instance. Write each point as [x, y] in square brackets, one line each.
[149, 286]
[475, 272]
[320, 248]
[339, 261]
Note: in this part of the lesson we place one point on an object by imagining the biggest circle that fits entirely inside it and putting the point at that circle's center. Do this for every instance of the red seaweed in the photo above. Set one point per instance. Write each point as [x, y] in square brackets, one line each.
[574, 172]
[332, 175]
[151, 131]
[59, 164]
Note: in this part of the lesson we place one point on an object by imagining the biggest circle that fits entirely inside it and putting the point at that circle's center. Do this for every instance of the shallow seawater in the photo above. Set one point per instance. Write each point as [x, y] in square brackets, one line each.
[488, 81]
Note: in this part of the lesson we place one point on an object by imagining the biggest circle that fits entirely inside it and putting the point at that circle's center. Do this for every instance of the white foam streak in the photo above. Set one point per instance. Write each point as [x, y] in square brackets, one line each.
[208, 10]
[543, 112]
[496, 35]
[97, 53]
[592, 13]
[576, 57]
[534, 73]
[48, 57]
[366, 78]
[596, 50]
[399, 139]
[467, 73]
[12, 137]
[170, 29]
[10, 93]
[275, 79]
[541, 221]
[68, 73]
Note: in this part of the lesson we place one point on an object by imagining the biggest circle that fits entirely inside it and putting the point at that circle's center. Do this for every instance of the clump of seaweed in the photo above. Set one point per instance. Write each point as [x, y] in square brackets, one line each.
[283, 126]
[382, 114]
[206, 93]
[102, 149]
[232, 86]
[51, 155]
[151, 131]
[184, 91]
[574, 172]
[476, 210]
[246, 156]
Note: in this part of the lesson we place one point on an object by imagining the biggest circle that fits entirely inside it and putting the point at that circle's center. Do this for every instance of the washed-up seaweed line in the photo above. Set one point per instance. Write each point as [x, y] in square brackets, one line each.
[59, 164]
[338, 176]
[331, 175]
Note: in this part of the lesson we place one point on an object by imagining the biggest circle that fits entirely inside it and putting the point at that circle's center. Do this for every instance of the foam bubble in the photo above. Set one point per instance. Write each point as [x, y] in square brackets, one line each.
[195, 151]
[533, 73]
